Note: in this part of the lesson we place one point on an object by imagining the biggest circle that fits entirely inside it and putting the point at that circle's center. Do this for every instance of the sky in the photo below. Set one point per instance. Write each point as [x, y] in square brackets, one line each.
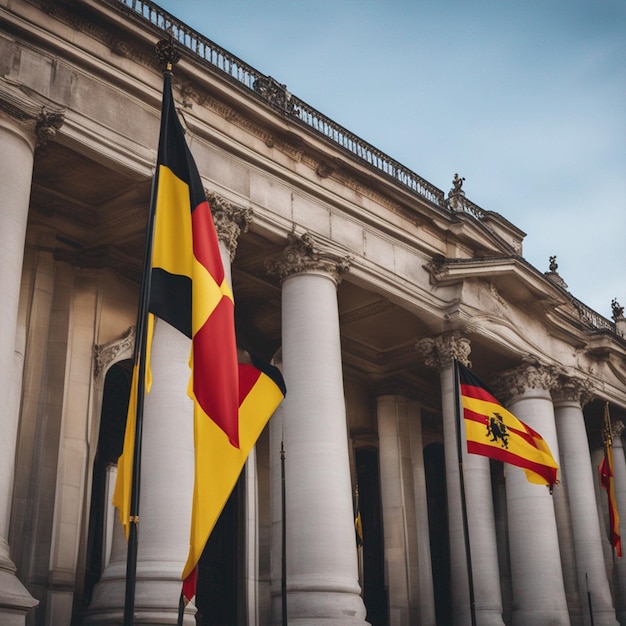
[524, 99]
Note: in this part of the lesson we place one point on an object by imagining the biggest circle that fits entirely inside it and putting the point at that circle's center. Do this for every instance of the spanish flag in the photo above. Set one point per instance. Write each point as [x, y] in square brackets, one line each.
[492, 431]
[607, 481]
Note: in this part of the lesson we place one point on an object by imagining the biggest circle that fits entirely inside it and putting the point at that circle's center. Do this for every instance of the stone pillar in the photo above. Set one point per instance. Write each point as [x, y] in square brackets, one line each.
[405, 512]
[439, 353]
[322, 576]
[18, 147]
[398, 509]
[619, 469]
[538, 589]
[578, 475]
[166, 492]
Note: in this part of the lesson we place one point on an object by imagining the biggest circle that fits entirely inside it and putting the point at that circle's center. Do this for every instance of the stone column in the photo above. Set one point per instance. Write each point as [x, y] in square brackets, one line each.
[439, 353]
[578, 475]
[167, 472]
[18, 145]
[322, 576]
[538, 589]
[405, 513]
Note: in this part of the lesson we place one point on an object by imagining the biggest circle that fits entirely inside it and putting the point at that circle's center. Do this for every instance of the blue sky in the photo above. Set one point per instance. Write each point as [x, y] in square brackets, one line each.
[526, 100]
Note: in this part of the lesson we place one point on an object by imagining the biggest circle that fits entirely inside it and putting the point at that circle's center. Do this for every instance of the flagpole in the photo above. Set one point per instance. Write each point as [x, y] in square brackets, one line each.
[468, 550]
[283, 581]
[167, 54]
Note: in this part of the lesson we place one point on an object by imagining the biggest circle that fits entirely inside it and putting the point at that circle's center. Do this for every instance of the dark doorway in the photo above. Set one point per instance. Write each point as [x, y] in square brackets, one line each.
[218, 594]
[110, 443]
[374, 594]
[438, 528]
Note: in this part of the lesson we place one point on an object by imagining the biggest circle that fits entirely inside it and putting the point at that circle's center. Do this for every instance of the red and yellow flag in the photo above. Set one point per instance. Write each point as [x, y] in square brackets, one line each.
[493, 431]
[607, 482]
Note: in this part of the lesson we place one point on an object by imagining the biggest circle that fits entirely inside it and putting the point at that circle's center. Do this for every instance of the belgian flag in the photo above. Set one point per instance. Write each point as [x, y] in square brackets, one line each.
[492, 431]
[185, 285]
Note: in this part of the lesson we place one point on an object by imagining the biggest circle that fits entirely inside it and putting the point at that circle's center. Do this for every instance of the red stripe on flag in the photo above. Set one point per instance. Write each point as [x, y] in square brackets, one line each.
[205, 242]
[215, 358]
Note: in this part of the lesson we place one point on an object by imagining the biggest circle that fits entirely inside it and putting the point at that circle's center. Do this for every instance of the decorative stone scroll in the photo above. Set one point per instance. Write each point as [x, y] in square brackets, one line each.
[573, 389]
[530, 375]
[47, 125]
[439, 352]
[303, 254]
[230, 221]
[107, 353]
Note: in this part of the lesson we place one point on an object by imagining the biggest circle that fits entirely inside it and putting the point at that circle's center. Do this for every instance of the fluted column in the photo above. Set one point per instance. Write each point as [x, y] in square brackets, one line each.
[537, 577]
[578, 479]
[18, 147]
[439, 353]
[322, 577]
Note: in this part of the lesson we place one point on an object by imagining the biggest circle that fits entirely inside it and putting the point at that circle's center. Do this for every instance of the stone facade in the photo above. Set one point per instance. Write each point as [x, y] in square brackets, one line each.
[360, 279]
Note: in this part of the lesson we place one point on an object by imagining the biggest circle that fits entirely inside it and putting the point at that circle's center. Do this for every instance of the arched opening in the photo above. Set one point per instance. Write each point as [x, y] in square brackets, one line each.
[110, 443]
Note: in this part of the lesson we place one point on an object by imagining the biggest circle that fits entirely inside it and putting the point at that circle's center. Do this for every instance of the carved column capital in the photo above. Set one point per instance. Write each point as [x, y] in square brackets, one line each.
[439, 352]
[530, 375]
[47, 125]
[569, 388]
[230, 221]
[303, 254]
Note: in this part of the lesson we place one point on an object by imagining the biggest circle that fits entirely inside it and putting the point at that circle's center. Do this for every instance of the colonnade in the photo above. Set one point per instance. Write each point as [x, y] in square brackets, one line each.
[558, 571]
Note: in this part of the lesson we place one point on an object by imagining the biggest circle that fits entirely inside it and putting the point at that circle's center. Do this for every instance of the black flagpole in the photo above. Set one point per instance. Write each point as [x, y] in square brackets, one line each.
[283, 581]
[168, 55]
[468, 550]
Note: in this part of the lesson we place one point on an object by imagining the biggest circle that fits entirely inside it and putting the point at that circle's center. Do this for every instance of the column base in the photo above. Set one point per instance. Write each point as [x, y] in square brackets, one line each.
[156, 601]
[15, 600]
[321, 608]
[541, 618]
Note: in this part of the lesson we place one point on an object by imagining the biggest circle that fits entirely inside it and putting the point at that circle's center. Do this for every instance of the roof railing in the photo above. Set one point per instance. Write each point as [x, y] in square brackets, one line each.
[279, 98]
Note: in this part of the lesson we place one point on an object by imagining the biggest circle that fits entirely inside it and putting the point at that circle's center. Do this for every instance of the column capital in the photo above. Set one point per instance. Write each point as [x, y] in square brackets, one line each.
[573, 389]
[439, 352]
[304, 254]
[531, 374]
[37, 116]
[230, 221]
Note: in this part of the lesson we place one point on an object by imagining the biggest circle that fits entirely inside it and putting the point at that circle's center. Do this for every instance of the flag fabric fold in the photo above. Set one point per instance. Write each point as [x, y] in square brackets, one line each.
[607, 482]
[218, 465]
[492, 431]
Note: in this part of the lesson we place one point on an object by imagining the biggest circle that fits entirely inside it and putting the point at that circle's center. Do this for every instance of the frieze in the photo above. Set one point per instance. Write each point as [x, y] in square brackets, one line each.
[439, 352]
[303, 254]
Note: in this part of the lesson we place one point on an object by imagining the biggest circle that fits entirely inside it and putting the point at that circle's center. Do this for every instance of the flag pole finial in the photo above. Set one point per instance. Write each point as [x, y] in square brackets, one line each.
[167, 53]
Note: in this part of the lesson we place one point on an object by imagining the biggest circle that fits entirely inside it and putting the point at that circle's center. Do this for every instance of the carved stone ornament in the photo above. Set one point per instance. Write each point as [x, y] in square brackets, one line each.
[274, 92]
[573, 389]
[439, 352]
[303, 254]
[230, 221]
[48, 122]
[167, 53]
[618, 310]
[529, 375]
[617, 428]
[106, 354]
